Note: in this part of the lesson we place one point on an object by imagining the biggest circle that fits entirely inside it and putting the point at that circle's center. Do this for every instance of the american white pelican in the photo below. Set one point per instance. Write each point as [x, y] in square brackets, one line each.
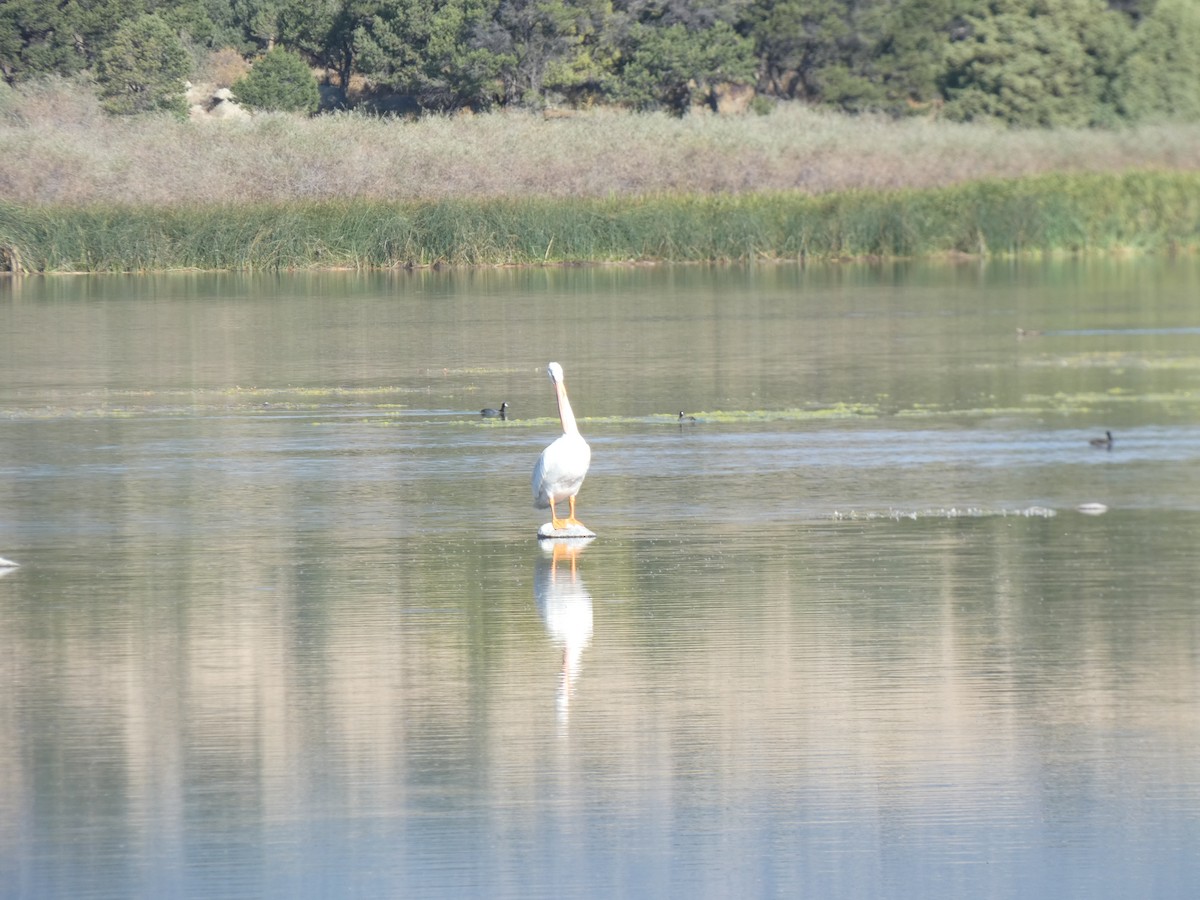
[562, 466]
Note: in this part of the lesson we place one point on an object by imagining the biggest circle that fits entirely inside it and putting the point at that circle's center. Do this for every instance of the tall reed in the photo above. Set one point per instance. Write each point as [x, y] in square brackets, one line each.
[1146, 211]
[58, 147]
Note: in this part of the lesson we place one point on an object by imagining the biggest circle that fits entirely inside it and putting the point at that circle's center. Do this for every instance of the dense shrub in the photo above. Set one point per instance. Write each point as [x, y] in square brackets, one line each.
[280, 81]
[143, 69]
[1037, 63]
[663, 67]
[1161, 79]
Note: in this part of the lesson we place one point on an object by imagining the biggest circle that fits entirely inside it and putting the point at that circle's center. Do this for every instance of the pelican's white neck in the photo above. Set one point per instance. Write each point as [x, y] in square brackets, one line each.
[565, 414]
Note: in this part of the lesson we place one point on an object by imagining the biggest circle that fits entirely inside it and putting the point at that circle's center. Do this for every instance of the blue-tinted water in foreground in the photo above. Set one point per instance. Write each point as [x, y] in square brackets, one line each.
[880, 622]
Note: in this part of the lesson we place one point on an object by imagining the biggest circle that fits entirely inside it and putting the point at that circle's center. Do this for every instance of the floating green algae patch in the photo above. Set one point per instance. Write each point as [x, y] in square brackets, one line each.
[735, 416]
[701, 418]
[110, 404]
[1116, 361]
[929, 411]
[1142, 211]
[952, 512]
[1086, 401]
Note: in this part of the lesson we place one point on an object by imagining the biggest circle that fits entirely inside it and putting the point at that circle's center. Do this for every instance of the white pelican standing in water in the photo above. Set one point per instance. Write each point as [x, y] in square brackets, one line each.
[562, 466]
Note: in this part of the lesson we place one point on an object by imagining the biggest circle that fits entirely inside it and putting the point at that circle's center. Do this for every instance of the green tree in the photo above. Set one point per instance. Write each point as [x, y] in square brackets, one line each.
[143, 69]
[260, 21]
[541, 45]
[1136, 10]
[908, 62]
[1037, 63]
[33, 41]
[665, 66]
[279, 81]
[419, 48]
[320, 29]
[688, 13]
[866, 54]
[204, 24]
[40, 38]
[1161, 76]
[798, 40]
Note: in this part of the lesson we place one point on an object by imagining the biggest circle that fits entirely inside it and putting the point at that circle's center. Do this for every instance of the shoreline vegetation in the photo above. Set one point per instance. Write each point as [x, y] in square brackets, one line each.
[84, 192]
[1145, 212]
[1148, 212]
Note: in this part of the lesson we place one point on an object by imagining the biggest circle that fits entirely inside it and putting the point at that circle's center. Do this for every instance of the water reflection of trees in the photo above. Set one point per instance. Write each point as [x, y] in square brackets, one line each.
[859, 661]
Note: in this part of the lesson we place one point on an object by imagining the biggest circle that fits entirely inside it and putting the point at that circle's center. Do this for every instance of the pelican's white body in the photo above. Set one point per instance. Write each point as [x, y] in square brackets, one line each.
[561, 468]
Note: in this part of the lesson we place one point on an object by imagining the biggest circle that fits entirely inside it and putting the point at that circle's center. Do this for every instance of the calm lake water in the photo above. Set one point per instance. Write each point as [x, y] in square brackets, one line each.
[281, 626]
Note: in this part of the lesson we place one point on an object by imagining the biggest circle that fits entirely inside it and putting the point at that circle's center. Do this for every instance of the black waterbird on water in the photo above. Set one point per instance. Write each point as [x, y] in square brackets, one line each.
[1105, 442]
[683, 418]
[490, 413]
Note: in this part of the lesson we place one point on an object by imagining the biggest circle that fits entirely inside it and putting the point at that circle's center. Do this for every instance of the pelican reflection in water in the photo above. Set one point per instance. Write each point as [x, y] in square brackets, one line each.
[565, 606]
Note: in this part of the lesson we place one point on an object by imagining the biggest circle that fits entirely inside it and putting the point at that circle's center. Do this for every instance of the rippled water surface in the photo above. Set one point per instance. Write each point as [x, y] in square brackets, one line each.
[880, 622]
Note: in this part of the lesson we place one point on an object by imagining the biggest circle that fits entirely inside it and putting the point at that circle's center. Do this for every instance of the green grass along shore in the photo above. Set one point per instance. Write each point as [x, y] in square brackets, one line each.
[1051, 214]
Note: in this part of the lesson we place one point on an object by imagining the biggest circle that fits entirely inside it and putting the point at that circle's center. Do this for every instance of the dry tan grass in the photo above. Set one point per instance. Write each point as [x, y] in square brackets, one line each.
[56, 146]
[221, 68]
